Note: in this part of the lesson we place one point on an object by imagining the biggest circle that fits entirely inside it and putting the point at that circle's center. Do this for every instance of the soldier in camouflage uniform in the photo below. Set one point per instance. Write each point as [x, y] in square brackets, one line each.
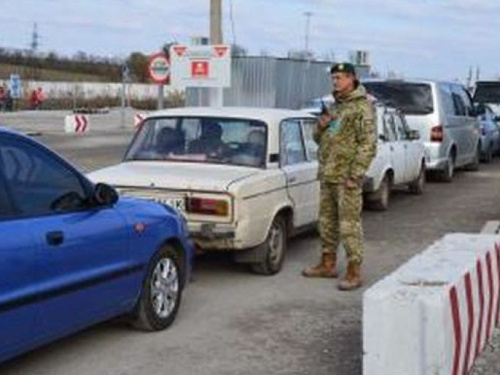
[347, 145]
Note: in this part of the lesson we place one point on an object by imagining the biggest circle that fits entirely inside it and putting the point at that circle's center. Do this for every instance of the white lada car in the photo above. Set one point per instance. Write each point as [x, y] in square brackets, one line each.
[401, 159]
[244, 178]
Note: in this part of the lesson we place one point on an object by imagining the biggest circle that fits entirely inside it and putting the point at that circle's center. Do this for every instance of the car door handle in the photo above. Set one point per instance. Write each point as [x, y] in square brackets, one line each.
[55, 238]
[292, 179]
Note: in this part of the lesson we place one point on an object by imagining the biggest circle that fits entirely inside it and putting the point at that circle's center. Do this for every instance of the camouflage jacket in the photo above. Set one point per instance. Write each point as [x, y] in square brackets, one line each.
[348, 145]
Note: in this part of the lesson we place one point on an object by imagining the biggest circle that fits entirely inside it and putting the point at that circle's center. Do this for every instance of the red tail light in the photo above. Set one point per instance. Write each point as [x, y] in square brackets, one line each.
[204, 206]
[437, 134]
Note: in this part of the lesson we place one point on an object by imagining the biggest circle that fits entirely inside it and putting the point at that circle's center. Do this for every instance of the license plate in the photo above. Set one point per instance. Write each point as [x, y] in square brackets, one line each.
[177, 203]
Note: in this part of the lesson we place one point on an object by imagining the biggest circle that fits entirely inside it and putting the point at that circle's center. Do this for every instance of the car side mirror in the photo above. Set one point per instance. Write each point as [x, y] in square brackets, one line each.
[105, 195]
[382, 137]
[413, 135]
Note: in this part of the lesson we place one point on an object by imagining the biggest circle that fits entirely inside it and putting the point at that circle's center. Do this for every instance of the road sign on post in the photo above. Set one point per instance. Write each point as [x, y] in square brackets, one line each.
[159, 72]
[200, 66]
[15, 86]
[159, 68]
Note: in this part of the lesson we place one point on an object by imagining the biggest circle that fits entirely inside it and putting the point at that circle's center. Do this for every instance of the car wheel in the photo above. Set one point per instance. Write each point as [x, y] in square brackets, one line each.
[447, 174]
[379, 200]
[274, 249]
[488, 156]
[417, 186]
[161, 292]
[474, 166]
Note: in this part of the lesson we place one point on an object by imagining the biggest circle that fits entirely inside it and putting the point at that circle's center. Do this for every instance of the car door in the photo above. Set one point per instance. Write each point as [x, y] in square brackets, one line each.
[463, 128]
[397, 149]
[82, 259]
[471, 124]
[299, 172]
[19, 312]
[410, 147]
[308, 128]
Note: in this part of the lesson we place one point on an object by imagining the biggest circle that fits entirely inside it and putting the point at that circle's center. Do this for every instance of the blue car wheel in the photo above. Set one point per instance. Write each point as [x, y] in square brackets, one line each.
[161, 291]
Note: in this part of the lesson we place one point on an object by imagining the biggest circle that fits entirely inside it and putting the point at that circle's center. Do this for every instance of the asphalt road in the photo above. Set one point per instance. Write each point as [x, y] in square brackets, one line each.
[234, 322]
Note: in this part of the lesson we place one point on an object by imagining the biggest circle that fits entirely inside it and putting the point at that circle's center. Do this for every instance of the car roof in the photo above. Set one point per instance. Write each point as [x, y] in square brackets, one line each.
[410, 80]
[263, 114]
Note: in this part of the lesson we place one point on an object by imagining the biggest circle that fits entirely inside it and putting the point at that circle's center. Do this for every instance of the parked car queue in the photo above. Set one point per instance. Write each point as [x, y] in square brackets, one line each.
[238, 179]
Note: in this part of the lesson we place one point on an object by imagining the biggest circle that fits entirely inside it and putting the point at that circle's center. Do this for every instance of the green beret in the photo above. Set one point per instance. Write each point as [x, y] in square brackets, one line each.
[343, 68]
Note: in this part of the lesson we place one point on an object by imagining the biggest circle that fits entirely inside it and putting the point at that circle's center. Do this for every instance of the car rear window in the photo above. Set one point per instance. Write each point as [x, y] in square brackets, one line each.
[411, 98]
[194, 139]
[487, 92]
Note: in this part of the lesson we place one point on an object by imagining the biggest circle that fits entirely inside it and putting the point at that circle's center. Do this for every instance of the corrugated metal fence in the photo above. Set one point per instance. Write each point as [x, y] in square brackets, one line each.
[270, 82]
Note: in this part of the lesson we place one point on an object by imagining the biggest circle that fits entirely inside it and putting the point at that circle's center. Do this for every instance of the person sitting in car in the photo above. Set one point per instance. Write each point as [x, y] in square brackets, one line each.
[170, 141]
[210, 142]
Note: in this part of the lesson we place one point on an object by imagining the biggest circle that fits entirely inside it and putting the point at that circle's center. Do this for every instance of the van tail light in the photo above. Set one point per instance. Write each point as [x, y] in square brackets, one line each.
[437, 134]
[204, 206]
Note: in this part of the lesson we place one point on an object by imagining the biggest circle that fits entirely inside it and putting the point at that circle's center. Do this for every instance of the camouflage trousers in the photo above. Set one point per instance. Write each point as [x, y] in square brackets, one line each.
[340, 220]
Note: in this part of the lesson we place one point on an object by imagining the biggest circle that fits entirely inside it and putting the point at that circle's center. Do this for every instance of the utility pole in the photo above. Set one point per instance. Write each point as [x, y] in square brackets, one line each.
[216, 22]
[216, 94]
[33, 51]
[308, 24]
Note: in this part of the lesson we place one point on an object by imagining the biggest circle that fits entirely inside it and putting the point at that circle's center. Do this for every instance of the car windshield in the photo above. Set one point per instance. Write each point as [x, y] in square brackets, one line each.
[411, 98]
[201, 140]
[487, 92]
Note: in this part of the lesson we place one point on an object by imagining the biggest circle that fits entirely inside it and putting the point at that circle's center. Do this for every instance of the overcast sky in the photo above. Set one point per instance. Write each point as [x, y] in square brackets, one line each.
[416, 38]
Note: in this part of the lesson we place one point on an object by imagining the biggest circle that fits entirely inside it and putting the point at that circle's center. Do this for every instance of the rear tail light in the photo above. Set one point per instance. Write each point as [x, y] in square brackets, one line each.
[204, 206]
[437, 134]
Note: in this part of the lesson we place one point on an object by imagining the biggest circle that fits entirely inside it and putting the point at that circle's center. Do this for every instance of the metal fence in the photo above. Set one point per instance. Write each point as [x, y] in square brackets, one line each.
[271, 82]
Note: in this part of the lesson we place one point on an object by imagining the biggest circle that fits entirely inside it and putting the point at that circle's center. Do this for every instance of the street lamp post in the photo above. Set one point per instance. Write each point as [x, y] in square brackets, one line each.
[308, 24]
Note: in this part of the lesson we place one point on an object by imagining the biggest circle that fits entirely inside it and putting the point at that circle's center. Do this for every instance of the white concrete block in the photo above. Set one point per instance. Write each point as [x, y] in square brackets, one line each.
[435, 313]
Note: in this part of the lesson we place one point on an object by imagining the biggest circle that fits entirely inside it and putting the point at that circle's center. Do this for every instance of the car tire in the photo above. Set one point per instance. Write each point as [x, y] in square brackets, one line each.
[417, 187]
[379, 200]
[474, 166]
[487, 158]
[447, 174]
[161, 292]
[274, 249]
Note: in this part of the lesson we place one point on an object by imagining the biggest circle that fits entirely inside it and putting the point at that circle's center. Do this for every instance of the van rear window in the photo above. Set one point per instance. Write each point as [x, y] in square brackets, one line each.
[487, 92]
[411, 98]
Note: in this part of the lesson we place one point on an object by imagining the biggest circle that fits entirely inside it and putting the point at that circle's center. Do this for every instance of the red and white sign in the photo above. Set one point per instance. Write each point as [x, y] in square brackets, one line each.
[200, 69]
[159, 68]
[138, 119]
[200, 66]
[76, 124]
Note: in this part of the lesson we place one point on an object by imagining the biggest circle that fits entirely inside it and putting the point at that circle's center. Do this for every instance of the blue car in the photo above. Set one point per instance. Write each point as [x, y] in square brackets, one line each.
[73, 254]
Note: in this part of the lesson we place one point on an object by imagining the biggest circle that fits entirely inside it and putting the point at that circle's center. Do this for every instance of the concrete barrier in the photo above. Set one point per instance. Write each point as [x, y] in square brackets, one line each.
[76, 124]
[435, 314]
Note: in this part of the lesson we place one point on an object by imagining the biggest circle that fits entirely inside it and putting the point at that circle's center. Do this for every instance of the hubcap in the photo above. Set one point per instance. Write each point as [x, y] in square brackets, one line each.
[275, 243]
[164, 287]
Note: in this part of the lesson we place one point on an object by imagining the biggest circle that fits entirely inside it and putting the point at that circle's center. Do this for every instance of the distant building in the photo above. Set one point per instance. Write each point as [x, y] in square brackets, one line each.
[200, 41]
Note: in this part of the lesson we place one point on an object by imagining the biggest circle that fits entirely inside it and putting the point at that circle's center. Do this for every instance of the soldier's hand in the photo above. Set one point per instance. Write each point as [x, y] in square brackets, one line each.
[324, 120]
[352, 183]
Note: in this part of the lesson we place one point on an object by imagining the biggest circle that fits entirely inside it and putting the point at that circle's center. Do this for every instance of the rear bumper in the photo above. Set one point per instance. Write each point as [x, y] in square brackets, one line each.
[437, 164]
[213, 236]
